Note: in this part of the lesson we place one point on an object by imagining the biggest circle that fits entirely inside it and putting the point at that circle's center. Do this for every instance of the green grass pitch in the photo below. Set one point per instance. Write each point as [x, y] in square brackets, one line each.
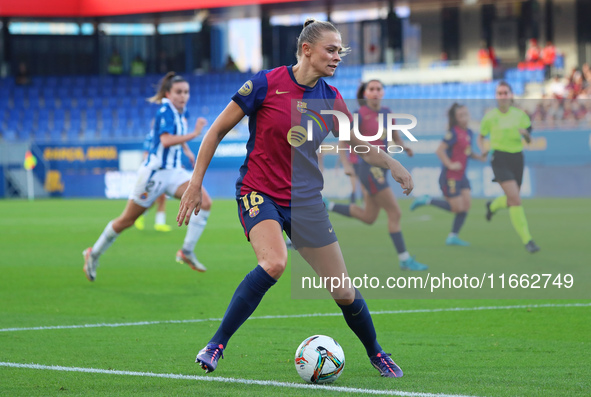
[531, 350]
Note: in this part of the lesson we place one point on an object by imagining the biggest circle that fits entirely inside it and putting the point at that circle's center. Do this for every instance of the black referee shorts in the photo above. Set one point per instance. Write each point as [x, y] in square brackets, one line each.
[507, 166]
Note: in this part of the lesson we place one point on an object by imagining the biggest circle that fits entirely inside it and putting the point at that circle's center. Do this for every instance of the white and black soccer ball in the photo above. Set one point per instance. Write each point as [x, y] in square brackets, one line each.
[319, 359]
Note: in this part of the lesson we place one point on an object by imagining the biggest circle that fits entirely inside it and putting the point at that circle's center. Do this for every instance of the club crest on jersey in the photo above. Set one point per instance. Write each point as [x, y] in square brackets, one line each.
[246, 89]
[302, 107]
[254, 211]
[144, 196]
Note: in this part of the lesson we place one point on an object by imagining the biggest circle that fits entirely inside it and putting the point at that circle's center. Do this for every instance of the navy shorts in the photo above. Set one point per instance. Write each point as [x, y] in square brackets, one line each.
[372, 178]
[306, 226]
[452, 187]
[507, 166]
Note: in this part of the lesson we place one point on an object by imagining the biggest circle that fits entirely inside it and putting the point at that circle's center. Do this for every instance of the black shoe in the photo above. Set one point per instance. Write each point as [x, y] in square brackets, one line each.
[489, 213]
[532, 247]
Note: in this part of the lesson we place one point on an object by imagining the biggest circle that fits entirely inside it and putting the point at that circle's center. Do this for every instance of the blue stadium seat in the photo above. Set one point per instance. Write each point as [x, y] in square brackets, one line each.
[9, 135]
[24, 135]
[89, 134]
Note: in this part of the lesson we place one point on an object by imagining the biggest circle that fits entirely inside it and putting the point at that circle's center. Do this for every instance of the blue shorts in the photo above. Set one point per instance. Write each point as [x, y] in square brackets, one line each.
[451, 187]
[372, 178]
[306, 226]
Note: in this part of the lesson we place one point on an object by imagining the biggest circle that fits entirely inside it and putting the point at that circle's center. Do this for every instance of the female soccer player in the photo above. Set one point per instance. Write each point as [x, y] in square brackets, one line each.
[454, 151]
[506, 125]
[376, 191]
[280, 183]
[160, 222]
[160, 173]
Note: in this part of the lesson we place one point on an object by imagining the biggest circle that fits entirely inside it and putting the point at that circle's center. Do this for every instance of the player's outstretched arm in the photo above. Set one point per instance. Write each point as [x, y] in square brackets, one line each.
[171, 140]
[379, 158]
[191, 199]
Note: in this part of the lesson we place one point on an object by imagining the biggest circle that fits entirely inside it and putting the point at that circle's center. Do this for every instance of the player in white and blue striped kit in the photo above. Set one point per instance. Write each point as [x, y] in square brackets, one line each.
[160, 221]
[160, 173]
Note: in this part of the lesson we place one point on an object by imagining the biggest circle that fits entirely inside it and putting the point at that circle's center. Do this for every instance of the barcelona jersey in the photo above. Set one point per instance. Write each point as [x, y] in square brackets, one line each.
[286, 128]
[369, 120]
[459, 148]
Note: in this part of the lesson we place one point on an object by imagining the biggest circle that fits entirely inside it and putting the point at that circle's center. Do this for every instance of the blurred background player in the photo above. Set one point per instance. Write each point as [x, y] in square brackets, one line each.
[505, 126]
[268, 192]
[160, 220]
[454, 151]
[162, 172]
[376, 191]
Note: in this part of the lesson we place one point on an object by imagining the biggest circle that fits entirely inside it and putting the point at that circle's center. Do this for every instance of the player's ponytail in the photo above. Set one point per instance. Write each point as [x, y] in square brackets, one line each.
[165, 85]
[360, 97]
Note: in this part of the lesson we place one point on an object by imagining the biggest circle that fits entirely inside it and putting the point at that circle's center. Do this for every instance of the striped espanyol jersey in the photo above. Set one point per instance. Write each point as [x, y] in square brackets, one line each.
[167, 120]
[280, 161]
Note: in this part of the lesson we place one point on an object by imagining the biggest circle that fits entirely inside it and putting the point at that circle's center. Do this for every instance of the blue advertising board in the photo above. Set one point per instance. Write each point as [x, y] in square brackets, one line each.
[558, 163]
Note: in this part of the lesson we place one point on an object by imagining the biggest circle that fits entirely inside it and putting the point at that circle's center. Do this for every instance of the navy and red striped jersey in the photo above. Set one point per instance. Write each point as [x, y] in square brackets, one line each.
[459, 148]
[280, 161]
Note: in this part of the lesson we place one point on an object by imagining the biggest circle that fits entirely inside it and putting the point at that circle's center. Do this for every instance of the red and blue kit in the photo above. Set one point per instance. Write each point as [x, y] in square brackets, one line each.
[372, 178]
[280, 161]
[280, 174]
[459, 148]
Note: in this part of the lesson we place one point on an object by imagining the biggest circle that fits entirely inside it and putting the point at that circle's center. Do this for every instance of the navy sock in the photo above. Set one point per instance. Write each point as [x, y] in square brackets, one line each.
[444, 205]
[246, 298]
[398, 242]
[342, 209]
[458, 222]
[353, 198]
[359, 320]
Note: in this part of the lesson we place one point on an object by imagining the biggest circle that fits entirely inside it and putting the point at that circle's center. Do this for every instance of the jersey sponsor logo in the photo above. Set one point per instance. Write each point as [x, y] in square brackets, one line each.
[281, 92]
[296, 136]
[246, 89]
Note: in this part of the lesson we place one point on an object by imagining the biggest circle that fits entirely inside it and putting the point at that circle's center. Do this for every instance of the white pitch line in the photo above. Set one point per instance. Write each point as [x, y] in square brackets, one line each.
[229, 380]
[272, 317]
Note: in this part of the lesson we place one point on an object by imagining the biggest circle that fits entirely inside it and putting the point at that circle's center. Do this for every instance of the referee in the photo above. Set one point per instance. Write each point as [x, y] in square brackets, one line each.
[505, 126]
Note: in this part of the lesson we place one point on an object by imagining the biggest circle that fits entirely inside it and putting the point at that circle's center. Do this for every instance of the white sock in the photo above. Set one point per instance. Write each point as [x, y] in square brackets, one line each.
[161, 218]
[105, 240]
[194, 230]
[403, 256]
[452, 235]
[330, 205]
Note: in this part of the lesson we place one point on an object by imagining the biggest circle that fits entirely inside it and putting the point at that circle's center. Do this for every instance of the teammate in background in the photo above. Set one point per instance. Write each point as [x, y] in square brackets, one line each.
[454, 151]
[272, 198]
[160, 222]
[376, 191]
[160, 173]
[506, 126]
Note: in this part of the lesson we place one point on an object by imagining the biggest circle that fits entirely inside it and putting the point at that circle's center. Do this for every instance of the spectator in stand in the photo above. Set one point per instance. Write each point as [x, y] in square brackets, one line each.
[230, 65]
[138, 67]
[115, 66]
[576, 85]
[586, 73]
[548, 58]
[557, 88]
[533, 53]
[483, 54]
[22, 76]
[486, 55]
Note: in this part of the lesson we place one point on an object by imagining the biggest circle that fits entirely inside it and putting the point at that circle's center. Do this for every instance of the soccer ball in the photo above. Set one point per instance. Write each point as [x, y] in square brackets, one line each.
[319, 359]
